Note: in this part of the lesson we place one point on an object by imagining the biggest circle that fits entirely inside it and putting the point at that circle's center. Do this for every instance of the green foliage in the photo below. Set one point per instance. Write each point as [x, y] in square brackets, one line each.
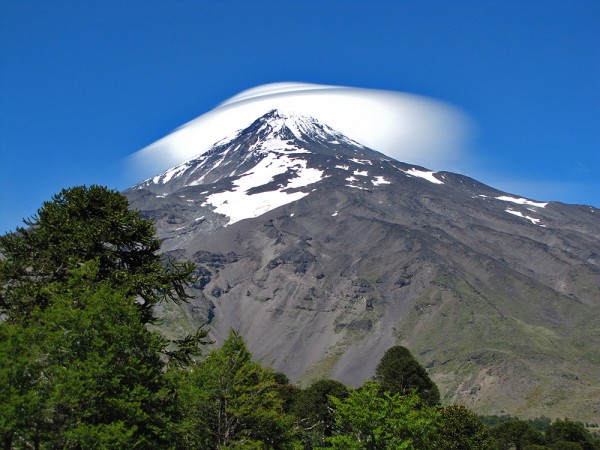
[92, 375]
[314, 410]
[516, 434]
[566, 431]
[493, 420]
[84, 224]
[540, 423]
[565, 445]
[399, 372]
[229, 401]
[23, 389]
[78, 366]
[461, 429]
[367, 419]
[286, 390]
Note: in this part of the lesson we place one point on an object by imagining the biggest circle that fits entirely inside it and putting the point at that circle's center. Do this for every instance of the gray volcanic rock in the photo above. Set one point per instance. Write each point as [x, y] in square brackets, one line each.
[324, 253]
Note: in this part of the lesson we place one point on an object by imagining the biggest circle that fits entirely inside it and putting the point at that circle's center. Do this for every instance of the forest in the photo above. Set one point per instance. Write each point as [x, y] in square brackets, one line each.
[81, 367]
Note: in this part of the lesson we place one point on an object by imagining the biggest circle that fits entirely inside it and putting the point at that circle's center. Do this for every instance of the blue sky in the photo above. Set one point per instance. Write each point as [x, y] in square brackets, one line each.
[84, 84]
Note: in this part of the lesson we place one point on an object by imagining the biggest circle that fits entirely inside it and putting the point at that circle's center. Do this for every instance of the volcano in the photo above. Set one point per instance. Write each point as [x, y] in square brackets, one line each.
[324, 253]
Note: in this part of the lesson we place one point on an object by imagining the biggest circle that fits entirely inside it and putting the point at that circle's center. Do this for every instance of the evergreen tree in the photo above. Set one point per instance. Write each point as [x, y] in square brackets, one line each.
[229, 401]
[93, 376]
[566, 431]
[399, 372]
[516, 434]
[286, 390]
[313, 410]
[23, 388]
[78, 366]
[82, 224]
[461, 429]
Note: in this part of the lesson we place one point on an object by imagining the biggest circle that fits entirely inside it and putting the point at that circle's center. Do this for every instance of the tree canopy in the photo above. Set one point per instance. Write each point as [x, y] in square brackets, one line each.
[399, 372]
[79, 367]
[313, 408]
[368, 419]
[232, 402]
[461, 429]
[86, 372]
[516, 434]
[78, 225]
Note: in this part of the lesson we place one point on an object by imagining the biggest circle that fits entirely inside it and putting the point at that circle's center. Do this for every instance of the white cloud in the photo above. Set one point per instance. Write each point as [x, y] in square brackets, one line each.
[406, 127]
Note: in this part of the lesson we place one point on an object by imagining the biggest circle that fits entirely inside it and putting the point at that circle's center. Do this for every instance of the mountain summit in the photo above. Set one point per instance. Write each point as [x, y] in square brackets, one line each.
[269, 164]
[276, 135]
[325, 253]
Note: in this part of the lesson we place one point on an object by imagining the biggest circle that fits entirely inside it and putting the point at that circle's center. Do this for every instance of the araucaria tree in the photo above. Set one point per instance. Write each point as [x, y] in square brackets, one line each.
[78, 366]
[399, 372]
[84, 224]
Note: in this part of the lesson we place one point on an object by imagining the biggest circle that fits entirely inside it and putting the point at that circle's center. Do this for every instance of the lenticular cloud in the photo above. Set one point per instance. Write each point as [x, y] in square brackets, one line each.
[406, 127]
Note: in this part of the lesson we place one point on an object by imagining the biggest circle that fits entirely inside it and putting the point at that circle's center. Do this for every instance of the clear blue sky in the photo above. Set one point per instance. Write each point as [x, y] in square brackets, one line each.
[84, 84]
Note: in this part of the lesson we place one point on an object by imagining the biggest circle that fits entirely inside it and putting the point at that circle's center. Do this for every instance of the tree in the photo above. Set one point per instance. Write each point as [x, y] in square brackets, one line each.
[461, 429]
[399, 372]
[566, 431]
[313, 408]
[93, 376]
[22, 387]
[78, 225]
[286, 390]
[516, 434]
[78, 366]
[229, 401]
[368, 419]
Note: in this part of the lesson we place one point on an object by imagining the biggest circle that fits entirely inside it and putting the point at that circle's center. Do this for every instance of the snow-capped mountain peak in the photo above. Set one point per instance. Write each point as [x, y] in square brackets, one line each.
[276, 160]
[278, 124]
[278, 132]
[283, 156]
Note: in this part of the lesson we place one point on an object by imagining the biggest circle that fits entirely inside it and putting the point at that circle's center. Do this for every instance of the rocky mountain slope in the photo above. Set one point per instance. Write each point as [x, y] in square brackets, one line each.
[325, 253]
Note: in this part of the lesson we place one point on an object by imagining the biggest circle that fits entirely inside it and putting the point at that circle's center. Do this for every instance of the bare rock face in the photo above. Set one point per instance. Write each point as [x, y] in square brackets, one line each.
[324, 254]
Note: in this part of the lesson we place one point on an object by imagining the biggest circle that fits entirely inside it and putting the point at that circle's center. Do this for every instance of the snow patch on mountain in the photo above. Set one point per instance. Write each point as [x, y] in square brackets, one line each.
[521, 201]
[425, 174]
[520, 214]
[172, 173]
[356, 187]
[378, 181]
[238, 204]
[361, 161]
[302, 126]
